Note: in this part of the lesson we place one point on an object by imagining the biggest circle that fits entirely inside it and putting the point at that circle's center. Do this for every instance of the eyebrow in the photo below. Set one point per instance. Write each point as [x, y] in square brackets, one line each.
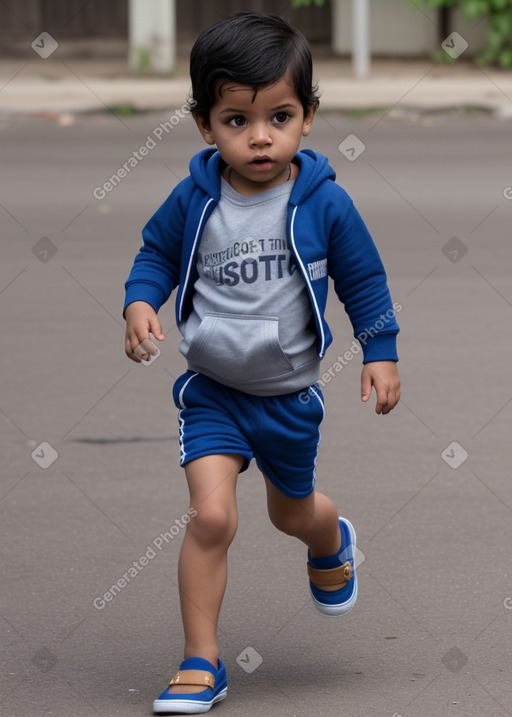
[279, 108]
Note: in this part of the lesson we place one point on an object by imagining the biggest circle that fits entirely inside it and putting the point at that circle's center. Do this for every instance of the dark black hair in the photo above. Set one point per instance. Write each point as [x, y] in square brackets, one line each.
[250, 48]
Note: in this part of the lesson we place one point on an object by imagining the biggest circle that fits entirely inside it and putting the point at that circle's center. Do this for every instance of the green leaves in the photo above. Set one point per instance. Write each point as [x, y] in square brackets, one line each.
[436, 3]
[498, 48]
[474, 8]
[305, 3]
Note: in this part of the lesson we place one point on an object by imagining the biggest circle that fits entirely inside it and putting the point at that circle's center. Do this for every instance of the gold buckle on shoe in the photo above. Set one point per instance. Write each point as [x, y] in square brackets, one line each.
[332, 578]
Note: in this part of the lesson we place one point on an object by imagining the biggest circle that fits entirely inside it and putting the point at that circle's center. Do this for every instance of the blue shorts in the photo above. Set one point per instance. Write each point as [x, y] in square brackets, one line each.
[281, 432]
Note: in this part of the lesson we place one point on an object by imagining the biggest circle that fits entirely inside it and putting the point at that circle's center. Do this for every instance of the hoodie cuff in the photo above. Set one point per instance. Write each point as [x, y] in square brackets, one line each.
[381, 347]
[152, 295]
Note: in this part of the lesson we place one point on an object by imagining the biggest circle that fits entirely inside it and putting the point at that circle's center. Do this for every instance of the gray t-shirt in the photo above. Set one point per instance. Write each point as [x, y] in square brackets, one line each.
[251, 324]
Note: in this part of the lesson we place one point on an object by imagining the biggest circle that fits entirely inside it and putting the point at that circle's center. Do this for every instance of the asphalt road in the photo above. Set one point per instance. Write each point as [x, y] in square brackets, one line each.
[90, 483]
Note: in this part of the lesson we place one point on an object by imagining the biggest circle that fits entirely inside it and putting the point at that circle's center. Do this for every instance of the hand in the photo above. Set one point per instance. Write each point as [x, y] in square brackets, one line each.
[383, 375]
[141, 320]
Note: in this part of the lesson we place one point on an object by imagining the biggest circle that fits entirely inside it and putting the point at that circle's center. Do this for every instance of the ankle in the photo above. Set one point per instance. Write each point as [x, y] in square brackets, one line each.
[328, 552]
[211, 655]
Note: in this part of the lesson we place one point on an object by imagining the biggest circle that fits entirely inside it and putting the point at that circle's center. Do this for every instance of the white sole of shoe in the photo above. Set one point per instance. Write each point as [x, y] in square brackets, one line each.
[187, 707]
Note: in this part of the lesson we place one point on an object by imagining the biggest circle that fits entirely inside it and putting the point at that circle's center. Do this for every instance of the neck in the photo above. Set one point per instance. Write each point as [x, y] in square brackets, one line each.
[288, 171]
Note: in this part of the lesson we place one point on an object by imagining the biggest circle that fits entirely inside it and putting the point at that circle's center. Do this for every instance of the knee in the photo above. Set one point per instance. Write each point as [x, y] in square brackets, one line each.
[214, 525]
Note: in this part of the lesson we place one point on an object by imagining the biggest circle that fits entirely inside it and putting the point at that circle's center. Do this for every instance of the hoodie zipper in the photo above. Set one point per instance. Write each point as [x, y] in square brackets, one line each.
[308, 284]
[297, 255]
[191, 258]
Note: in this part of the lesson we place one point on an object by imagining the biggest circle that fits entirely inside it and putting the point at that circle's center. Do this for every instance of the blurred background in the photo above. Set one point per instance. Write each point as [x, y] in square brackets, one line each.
[397, 28]
[416, 120]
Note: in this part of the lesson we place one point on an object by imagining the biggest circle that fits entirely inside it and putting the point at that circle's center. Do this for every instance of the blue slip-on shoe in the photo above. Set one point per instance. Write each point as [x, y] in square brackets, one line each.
[194, 671]
[334, 590]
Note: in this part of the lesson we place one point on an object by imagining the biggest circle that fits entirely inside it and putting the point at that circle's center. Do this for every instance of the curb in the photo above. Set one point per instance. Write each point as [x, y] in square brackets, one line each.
[62, 89]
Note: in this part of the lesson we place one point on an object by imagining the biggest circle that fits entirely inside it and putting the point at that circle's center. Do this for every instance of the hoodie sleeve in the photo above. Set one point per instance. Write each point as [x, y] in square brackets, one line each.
[360, 283]
[156, 269]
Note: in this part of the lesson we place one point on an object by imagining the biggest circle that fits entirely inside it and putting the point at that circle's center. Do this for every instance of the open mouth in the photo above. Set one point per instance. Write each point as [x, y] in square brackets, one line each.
[262, 163]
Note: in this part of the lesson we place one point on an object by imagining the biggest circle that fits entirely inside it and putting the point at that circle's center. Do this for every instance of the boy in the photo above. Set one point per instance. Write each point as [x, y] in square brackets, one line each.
[250, 239]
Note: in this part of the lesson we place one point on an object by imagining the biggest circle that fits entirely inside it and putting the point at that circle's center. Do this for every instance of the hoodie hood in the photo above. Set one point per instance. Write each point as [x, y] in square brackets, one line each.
[314, 169]
[206, 168]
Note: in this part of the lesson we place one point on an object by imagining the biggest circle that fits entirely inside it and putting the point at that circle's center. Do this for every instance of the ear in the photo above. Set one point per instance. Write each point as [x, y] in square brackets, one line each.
[205, 129]
[308, 120]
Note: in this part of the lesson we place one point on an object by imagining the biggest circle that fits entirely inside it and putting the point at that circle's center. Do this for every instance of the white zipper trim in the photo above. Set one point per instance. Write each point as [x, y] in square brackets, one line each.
[308, 282]
[192, 254]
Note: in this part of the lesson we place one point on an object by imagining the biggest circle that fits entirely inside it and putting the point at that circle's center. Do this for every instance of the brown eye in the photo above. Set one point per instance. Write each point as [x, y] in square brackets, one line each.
[237, 121]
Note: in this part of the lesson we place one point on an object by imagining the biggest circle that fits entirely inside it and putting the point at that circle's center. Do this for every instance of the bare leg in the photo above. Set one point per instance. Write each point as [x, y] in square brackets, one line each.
[314, 520]
[202, 569]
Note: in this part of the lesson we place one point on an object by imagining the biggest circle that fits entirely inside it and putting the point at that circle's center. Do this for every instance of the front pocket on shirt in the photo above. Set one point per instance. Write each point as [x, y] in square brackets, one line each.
[239, 348]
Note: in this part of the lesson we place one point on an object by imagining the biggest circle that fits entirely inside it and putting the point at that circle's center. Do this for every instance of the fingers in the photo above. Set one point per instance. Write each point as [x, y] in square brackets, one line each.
[383, 376]
[139, 346]
[366, 386]
[388, 395]
[141, 322]
[145, 350]
[155, 328]
[387, 399]
[128, 350]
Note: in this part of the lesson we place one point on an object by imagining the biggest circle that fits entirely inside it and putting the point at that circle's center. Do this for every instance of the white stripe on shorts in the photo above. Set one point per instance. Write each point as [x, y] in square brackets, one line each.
[181, 420]
[315, 393]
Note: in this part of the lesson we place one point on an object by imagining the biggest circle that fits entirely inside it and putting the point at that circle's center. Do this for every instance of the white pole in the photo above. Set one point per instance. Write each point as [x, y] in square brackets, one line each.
[361, 54]
[164, 49]
[152, 36]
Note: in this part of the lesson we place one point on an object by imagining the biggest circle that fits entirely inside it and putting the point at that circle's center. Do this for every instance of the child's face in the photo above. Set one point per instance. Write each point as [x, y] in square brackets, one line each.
[257, 136]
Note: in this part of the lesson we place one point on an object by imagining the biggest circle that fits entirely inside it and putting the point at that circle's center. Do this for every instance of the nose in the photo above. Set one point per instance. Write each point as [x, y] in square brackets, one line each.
[260, 136]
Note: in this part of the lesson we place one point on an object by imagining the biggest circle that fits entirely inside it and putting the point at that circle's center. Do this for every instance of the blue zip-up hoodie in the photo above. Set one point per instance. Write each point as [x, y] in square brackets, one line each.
[326, 234]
